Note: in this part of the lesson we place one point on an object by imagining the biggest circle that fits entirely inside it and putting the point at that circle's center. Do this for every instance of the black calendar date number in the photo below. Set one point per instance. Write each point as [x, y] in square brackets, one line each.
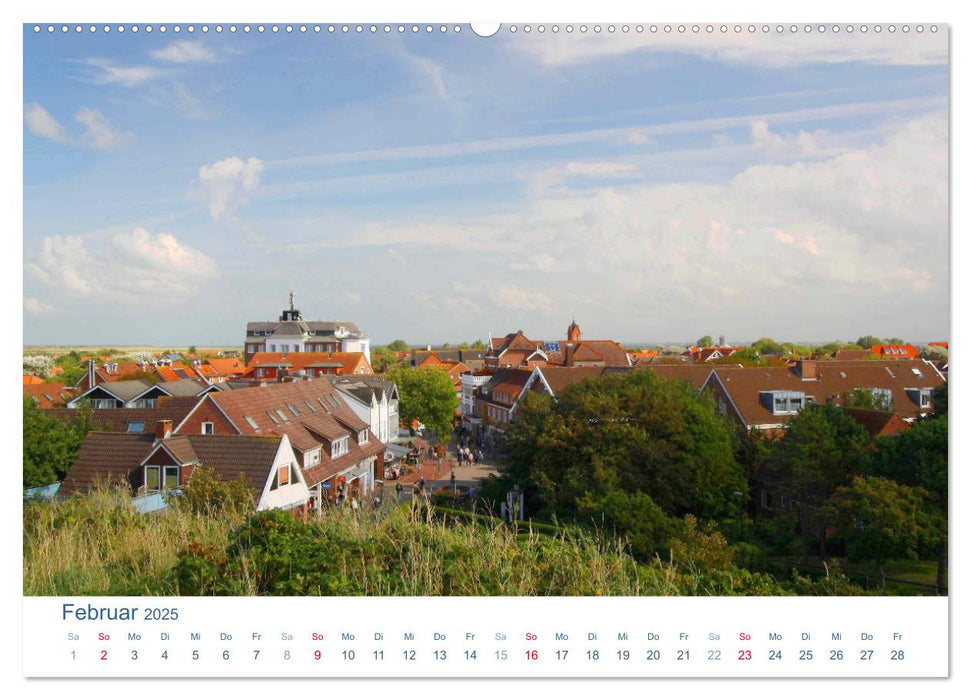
[161, 613]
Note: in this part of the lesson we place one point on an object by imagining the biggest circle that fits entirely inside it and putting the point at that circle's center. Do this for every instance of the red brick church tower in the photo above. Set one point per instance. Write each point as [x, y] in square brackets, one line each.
[573, 333]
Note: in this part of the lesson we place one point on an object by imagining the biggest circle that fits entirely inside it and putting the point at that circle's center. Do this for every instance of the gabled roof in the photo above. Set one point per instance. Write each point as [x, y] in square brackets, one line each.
[30, 379]
[607, 351]
[558, 378]
[174, 409]
[877, 423]
[226, 366]
[229, 456]
[107, 459]
[832, 380]
[125, 390]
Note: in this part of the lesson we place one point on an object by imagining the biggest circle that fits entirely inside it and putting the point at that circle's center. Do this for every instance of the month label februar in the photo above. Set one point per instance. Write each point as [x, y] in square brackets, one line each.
[475, 637]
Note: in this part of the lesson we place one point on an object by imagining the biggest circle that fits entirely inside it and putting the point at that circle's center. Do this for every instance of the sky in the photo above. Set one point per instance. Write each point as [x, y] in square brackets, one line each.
[444, 186]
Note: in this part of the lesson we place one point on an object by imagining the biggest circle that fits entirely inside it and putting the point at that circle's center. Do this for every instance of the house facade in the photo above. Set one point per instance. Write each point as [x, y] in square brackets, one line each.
[291, 334]
[157, 464]
[766, 398]
[375, 401]
[334, 447]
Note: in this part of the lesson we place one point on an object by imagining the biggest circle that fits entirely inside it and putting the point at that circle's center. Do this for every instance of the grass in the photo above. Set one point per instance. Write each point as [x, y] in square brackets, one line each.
[98, 545]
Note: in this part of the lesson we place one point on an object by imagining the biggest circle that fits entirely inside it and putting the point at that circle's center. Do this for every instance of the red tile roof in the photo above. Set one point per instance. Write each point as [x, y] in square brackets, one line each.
[49, 394]
[227, 366]
[351, 362]
[30, 379]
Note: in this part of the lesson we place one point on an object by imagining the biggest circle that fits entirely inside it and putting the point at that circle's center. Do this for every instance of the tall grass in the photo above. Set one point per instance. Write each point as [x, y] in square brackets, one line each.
[98, 545]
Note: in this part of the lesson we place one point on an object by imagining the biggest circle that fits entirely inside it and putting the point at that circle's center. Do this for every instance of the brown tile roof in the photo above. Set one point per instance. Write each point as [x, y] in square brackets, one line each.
[230, 456]
[174, 409]
[107, 459]
[832, 379]
[331, 418]
[558, 378]
[696, 374]
[877, 423]
[609, 352]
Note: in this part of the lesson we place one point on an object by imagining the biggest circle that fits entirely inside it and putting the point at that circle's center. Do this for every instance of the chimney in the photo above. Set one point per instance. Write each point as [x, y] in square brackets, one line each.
[163, 429]
[806, 368]
[92, 376]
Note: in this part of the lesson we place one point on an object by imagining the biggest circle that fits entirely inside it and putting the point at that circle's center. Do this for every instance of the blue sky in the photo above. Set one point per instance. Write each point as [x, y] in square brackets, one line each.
[444, 186]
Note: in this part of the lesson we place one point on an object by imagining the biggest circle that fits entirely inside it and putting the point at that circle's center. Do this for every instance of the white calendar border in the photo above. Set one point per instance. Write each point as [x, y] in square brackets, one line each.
[509, 10]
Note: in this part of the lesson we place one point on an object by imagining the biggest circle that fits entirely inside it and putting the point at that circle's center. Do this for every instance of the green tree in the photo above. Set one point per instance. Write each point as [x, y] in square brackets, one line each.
[704, 341]
[398, 345]
[478, 345]
[879, 519]
[426, 395]
[50, 445]
[632, 433]
[868, 341]
[821, 450]
[383, 357]
[192, 350]
[767, 346]
[864, 398]
[918, 457]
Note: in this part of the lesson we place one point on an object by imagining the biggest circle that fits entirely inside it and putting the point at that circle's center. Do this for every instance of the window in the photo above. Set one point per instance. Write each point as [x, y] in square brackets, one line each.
[916, 371]
[207, 428]
[783, 402]
[283, 416]
[273, 417]
[921, 397]
[135, 426]
[766, 500]
[339, 447]
[252, 423]
[311, 407]
[282, 477]
[293, 410]
[362, 436]
[312, 458]
[171, 478]
[152, 482]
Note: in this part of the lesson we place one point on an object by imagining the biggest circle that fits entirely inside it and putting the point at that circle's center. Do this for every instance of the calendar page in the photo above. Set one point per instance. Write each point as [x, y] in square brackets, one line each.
[516, 350]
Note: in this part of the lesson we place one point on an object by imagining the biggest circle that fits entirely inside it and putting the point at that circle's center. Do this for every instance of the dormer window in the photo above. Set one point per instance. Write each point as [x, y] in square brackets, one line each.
[159, 478]
[339, 447]
[362, 436]
[882, 399]
[783, 402]
[921, 397]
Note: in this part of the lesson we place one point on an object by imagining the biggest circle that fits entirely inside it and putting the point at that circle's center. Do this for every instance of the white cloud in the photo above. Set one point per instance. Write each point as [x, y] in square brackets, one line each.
[185, 52]
[510, 296]
[227, 184]
[603, 170]
[41, 123]
[770, 50]
[432, 71]
[34, 305]
[104, 71]
[837, 236]
[97, 131]
[641, 135]
[136, 267]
